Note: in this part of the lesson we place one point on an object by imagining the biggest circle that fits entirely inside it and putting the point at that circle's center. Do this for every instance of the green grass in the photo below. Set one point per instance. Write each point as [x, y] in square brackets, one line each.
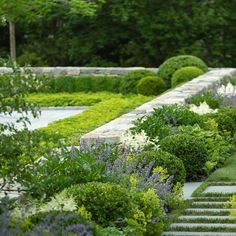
[226, 173]
[104, 107]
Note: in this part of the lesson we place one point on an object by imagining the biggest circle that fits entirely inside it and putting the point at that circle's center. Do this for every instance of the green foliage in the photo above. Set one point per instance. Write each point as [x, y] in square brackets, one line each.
[170, 66]
[73, 127]
[14, 144]
[209, 97]
[80, 84]
[191, 150]
[185, 74]
[171, 163]
[60, 169]
[131, 208]
[151, 86]
[100, 199]
[217, 147]
[70, 99]
[162, 121]
[225, 122]
[130, 81]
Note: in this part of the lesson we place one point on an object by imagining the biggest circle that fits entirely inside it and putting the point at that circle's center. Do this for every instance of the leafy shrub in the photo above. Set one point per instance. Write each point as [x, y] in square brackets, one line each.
[168, 68]
[171, 163]
[209, 97]
[60, 169]
[102, 199]
[141, 211]
[162, 121]
[129, 82]
[191, 150]
[151, 85]
[217, 147]
[185, 74]
[225, 122]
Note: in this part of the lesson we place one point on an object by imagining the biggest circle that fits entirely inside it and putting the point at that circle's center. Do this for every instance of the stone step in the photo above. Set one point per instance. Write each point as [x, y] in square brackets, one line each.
[208, 203]
[189, 217]
[225, 189]
[202, 225]
[183, 233]
[208, 209]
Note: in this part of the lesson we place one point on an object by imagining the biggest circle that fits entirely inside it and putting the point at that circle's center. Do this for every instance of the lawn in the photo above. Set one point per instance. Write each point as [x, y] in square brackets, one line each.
[226, 173]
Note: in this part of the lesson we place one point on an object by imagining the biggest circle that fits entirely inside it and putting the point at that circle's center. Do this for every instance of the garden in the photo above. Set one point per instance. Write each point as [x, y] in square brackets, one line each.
[133, 187]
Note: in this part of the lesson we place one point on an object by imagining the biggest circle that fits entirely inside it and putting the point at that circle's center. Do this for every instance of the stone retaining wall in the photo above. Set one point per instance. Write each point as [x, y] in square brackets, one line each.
[111, 132]
[79, 71]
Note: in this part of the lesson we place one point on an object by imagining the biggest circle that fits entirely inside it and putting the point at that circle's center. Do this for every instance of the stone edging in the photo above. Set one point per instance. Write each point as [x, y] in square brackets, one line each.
[80, 71]
[111, 132]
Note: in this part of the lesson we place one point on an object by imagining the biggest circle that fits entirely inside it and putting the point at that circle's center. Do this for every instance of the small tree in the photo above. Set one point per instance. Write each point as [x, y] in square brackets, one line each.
[25, 10]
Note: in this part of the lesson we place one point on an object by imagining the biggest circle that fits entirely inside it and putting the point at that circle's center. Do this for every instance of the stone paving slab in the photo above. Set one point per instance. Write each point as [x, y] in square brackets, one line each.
[189, 188]
[188, 217]
[183, 233]
[220, 189]
[47, 116]
[207, 209]
[208, 225]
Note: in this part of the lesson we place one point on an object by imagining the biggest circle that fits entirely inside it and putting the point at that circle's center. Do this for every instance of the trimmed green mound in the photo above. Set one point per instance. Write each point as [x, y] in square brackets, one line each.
[185, 74]
[129, 83]
[151, 85]
[168, 68]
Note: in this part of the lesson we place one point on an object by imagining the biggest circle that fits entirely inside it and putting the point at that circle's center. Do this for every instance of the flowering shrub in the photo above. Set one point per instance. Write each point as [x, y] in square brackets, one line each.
[138, 141]
[171, 163]
[163, 121]
[202, 109]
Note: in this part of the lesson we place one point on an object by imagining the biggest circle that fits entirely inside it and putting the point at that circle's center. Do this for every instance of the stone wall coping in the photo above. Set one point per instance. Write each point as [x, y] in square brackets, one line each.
[112, 131]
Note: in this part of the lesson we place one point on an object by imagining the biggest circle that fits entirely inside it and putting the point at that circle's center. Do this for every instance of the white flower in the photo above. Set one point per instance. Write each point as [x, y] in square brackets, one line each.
[227, 90]
[137, 142]
[60, 202]
[202, 109]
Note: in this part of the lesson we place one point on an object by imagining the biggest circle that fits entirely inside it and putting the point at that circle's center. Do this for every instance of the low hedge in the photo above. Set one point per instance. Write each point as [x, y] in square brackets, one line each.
[71, 84]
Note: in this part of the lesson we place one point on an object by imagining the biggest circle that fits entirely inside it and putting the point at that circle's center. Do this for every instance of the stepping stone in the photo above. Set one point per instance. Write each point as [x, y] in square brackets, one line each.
[208, 225]
[182, 233]
[208, 209]
[189, 188]
[220, 189]
[190, 217]
[208, 203]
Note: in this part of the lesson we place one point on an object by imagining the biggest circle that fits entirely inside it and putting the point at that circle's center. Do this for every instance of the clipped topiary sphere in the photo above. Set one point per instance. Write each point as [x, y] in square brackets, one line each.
[129, 82]
[151, 85]
[191, 150]
[168, 68]
[170, 162]
[185, 74]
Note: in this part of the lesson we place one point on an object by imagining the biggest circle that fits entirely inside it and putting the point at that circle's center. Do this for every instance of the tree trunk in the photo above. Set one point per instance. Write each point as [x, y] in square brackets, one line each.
[12, 33]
